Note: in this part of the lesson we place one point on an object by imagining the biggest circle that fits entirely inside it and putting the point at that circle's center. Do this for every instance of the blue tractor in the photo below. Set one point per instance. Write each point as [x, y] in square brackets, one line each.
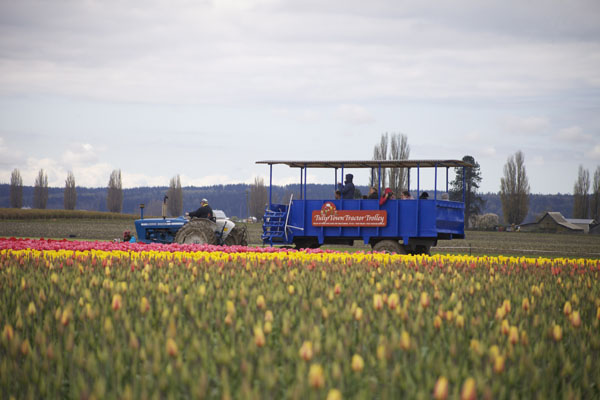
[185, 230]
[410, 226]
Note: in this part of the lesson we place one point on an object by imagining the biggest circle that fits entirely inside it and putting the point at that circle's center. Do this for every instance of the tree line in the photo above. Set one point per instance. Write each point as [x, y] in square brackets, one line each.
[233, 199]
[114, 194]
[250, 200]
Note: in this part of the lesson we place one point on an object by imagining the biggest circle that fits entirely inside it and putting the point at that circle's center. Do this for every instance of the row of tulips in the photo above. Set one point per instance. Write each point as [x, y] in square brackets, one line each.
[96, 320]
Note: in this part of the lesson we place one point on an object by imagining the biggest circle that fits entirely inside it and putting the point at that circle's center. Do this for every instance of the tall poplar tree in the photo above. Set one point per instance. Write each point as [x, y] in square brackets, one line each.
[514, 190]
[581, 196]
[70, 194]
[595, 201]
[40, 190]
[114, 195]
[16, 189]
[175, 195]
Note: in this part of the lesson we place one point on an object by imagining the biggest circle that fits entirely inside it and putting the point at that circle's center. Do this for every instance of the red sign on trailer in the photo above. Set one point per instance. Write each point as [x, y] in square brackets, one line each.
[329, 215]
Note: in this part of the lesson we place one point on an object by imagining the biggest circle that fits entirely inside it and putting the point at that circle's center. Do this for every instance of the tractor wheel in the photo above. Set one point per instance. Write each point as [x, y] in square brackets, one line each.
[237, 237]
[197, 231]
[389, 246]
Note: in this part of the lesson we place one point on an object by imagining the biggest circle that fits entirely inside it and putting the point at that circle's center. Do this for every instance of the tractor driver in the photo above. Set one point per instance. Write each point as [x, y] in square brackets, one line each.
[205, 211]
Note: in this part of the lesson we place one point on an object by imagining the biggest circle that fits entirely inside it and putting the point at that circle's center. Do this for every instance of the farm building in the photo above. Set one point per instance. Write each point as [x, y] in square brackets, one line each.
[583, 223]
[554, 222]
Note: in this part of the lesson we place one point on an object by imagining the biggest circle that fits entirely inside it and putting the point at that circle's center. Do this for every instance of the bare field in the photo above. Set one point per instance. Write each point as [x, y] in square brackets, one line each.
[476, 243]
[68, 228]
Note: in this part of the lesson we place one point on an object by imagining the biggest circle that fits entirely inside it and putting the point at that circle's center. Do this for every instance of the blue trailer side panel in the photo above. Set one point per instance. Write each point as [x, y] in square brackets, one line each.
[403, 220]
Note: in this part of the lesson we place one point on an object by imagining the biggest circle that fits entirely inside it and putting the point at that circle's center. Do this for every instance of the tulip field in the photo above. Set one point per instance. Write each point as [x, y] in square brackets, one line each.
[95, 320]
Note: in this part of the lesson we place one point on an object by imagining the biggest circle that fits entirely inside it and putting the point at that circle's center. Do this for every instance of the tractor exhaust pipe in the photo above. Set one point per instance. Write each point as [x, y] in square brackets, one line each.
[142, 211]
[164, 207]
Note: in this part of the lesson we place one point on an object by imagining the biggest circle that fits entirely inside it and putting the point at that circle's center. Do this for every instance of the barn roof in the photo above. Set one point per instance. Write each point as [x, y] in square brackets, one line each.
[369, 163]
[560, 220]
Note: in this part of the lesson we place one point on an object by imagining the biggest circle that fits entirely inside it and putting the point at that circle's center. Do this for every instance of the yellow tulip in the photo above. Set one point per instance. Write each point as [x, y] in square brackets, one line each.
[557, 332]
[334, 394]
[404, 340]
[357, 363]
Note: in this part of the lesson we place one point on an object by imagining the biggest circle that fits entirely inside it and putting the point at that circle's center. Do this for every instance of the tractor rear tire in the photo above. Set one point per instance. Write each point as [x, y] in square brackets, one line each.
[197, 231]
[237, 237]
[389, 246]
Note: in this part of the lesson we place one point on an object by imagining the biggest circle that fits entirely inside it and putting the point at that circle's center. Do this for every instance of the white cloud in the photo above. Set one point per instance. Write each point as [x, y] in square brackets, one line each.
[573, 134]
[538, 160]
[354, 114]
[137, 180]
[304, 115]
[187, 52]
[488, 151]
[80, 155]
[474, 136]
[527, 125]
[8, 157]
[594, 153]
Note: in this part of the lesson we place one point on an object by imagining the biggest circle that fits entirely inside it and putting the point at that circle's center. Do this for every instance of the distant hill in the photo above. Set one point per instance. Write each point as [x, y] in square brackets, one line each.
[232, 199]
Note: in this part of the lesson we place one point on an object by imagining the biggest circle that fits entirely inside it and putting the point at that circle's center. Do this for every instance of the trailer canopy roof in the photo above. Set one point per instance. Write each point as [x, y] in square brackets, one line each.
[371, 163]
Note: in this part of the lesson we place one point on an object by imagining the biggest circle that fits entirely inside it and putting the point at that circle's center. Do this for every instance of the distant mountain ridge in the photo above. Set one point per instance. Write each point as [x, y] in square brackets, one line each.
[233, 199]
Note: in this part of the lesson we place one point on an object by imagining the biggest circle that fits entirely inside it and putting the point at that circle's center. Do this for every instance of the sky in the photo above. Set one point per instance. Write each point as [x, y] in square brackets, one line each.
[204, 89]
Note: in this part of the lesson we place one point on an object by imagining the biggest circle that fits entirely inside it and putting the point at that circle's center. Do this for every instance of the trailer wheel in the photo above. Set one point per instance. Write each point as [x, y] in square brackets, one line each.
[389, 246]
[307, 243]
[237, 237]
[423, 250]
[197, 231]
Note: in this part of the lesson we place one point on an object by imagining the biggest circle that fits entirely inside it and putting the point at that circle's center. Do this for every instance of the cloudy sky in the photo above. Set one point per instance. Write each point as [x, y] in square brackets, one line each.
[204, 89]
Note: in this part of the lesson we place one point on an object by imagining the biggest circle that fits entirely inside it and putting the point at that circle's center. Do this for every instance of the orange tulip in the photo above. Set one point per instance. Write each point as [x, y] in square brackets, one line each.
[316, 377]
[259, 337]
[505, 327]
[171, 347]
[8, 333]
[440, 390]
[144, 305]
[525, 304]
[393, 301]
[306, 351]
[469, 390]
[269, 316]
[117, 302]
[358, 313]
[575, 319]
[425, 300]
[260, 302]
[513, 335]
[506, 306]
[377, 301]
